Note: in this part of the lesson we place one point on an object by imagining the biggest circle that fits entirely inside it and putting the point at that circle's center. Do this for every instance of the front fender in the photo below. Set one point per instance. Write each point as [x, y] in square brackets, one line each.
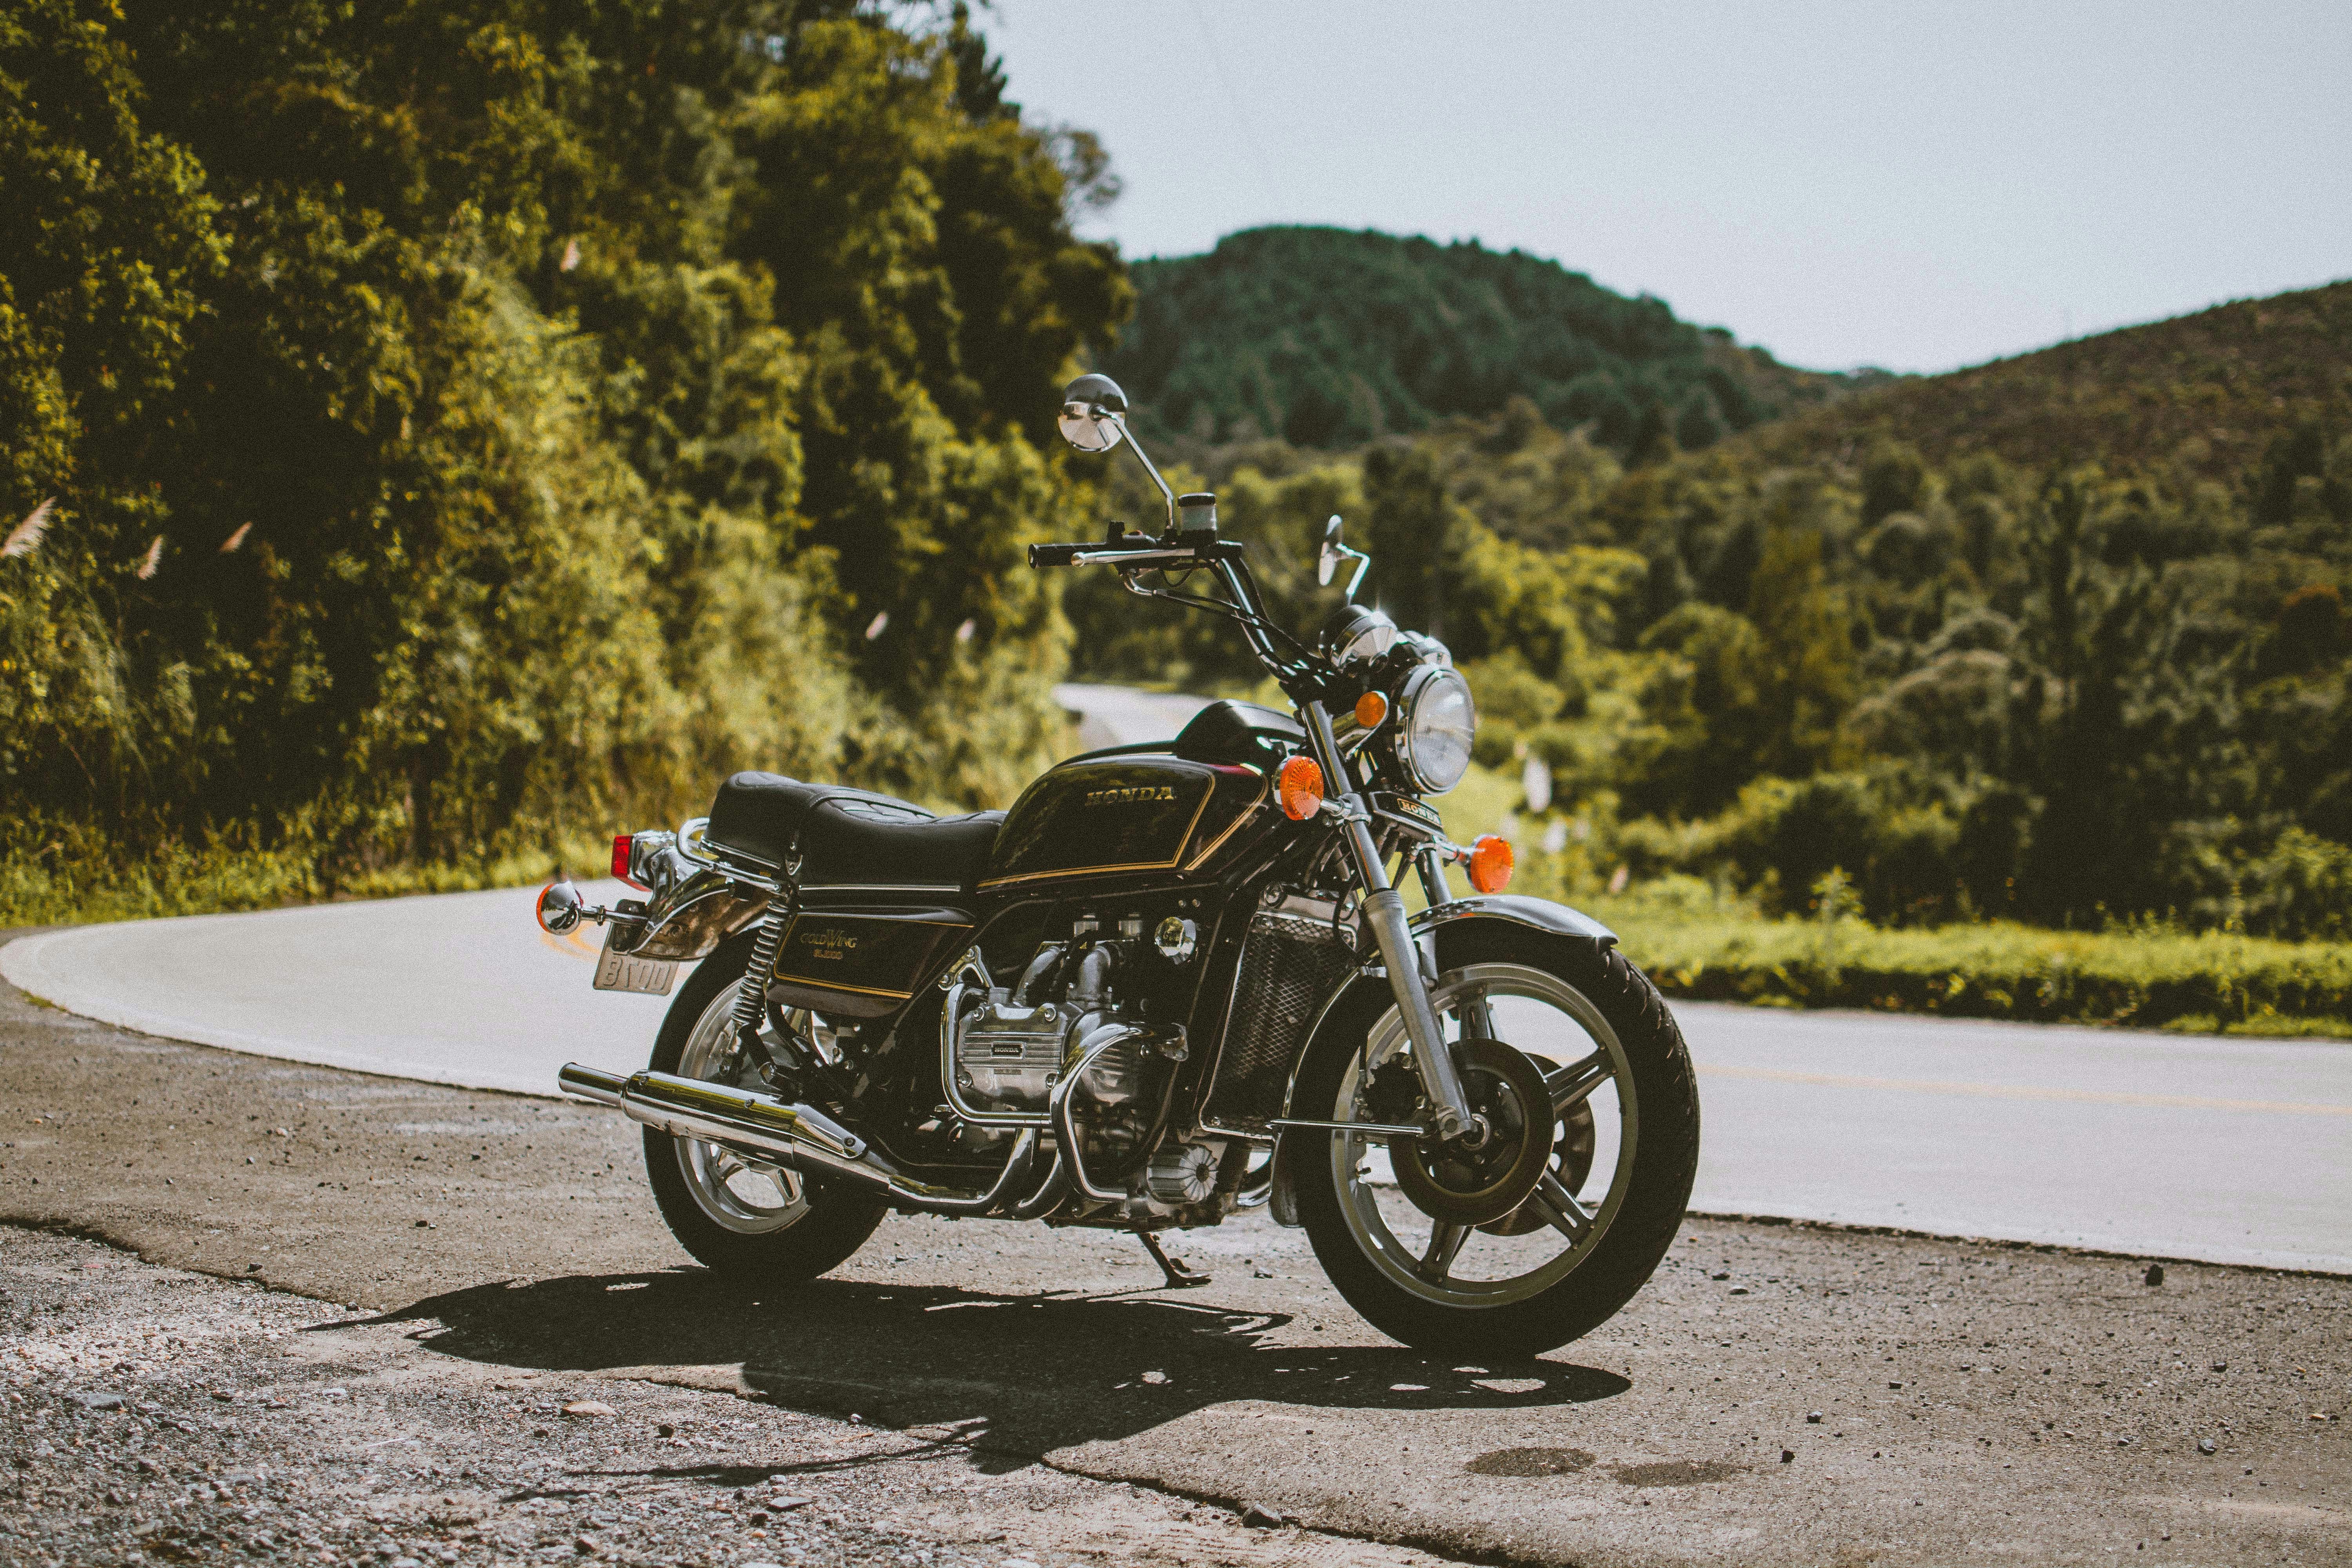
[1427, 928]
[1540, 914]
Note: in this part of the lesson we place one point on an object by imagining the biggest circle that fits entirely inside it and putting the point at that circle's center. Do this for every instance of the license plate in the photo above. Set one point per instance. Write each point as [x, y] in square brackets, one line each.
[619, 972]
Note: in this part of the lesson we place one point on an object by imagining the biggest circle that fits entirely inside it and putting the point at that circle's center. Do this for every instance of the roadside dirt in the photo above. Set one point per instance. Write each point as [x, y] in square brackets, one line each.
[1975, 1401]
[160, 1415]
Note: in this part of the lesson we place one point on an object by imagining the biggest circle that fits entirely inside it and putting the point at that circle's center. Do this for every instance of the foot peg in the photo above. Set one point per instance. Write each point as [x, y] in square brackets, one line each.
[1180, 1275]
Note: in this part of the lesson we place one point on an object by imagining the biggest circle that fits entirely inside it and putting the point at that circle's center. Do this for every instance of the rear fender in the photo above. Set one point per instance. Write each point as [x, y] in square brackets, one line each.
[694, 916]
[1431, 929]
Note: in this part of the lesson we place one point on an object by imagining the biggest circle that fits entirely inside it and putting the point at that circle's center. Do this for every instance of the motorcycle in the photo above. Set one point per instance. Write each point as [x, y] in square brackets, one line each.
[1175, 981]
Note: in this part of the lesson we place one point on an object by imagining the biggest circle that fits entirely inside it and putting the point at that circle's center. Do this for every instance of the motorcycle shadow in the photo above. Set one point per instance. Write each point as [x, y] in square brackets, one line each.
[1018, 1375]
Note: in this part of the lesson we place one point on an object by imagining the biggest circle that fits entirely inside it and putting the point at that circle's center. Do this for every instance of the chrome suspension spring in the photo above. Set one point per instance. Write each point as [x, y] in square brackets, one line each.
[751, 1002]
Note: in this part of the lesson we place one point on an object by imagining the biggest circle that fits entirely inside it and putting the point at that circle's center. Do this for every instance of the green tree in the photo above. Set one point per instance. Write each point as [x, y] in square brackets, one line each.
[534, 403]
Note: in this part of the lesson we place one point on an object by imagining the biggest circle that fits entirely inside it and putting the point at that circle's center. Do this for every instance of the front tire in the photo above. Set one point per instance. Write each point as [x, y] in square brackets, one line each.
[755, 1226]
[1593, 1234]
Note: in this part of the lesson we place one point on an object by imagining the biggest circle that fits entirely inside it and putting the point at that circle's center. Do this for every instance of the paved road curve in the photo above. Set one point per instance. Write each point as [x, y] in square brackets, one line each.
[1775, 1397]
[1122, 716]
[2227, 1151]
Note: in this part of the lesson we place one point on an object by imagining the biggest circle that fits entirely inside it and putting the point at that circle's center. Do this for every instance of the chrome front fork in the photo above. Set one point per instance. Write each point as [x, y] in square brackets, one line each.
[1384, 912]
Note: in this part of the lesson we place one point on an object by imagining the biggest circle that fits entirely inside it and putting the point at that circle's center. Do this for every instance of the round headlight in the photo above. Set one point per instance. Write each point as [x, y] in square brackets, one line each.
[1434, 728]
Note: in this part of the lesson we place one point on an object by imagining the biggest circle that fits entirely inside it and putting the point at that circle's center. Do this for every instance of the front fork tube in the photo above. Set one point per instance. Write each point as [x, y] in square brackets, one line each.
[1384, 912]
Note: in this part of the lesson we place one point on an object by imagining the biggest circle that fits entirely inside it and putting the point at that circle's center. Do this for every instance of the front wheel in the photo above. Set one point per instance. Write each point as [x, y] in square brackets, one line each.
[754, 1224]
[1623, 1149]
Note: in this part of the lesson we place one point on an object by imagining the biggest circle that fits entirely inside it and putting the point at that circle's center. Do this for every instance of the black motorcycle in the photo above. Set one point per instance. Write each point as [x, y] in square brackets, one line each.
[1174, 981]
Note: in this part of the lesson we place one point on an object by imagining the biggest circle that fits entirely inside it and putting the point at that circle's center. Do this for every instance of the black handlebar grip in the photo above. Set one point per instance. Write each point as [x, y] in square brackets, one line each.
[1056, 555]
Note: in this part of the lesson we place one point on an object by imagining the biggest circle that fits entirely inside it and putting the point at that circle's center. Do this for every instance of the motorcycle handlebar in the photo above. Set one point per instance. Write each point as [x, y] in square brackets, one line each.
[1141, 551]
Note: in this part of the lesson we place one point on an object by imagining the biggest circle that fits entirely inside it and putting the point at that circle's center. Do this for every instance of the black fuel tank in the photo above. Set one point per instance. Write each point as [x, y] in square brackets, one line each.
[1240, 733]
[1126, 811]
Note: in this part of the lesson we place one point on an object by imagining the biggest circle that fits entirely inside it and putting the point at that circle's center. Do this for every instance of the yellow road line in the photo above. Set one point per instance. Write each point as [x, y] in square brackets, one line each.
[2014, 1091]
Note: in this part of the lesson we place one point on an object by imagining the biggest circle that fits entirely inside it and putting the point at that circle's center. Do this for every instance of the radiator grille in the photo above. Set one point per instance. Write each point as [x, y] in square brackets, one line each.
[1290, 965]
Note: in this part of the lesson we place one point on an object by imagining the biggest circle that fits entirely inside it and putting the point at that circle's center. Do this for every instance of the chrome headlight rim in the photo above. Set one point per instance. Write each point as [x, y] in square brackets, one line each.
[1357, 634]
[1412, 761]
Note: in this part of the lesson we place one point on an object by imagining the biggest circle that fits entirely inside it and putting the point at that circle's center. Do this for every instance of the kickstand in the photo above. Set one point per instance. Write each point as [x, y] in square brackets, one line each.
[1180, 1277]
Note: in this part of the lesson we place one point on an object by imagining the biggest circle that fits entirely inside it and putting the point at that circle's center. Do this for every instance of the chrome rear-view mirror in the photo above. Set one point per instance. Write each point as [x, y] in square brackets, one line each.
[1093, 409]
[1328, 556]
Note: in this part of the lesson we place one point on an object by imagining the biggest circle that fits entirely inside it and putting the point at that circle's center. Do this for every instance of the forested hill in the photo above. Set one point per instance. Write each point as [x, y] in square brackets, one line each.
[2063, 637]
[2206, 392]
[1326, 338]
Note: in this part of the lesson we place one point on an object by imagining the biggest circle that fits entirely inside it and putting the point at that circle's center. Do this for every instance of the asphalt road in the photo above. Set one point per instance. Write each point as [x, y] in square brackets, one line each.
[1976, 1402]
[1779, 1394]
[2227, 1151]
[155, 1414]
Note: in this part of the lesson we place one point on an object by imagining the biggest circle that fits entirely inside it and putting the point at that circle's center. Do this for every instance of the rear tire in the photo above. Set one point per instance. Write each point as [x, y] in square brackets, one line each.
[1483, 1319]
[801, 1237]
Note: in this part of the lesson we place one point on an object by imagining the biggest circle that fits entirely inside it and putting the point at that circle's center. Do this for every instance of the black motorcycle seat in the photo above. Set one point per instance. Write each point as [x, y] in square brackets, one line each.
[849, 837]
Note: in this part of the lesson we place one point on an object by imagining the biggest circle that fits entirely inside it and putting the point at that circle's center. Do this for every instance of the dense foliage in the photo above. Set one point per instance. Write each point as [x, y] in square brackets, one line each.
[1992, 684]
[1321, 337]
[469, 421]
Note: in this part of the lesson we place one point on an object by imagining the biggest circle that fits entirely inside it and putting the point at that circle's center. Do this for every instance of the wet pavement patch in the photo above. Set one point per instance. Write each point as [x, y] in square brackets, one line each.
[1678, 1473]
[1530, 1462]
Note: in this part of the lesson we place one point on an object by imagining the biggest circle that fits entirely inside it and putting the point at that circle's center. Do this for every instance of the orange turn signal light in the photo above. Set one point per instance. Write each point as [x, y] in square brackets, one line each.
[1300, 787]
[1370, 709]
[1491, 863]
[562, 905]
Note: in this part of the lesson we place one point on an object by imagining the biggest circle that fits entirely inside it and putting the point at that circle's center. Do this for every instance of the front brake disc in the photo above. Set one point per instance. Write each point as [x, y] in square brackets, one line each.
[1463, 1186]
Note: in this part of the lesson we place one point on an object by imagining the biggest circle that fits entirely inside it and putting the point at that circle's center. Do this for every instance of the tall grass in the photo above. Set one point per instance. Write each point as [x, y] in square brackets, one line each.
[1702, 943]
[55, 873]
[1695, 945]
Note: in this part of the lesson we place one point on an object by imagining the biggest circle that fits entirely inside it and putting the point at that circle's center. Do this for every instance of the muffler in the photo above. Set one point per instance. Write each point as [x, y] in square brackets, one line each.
[799, 1136]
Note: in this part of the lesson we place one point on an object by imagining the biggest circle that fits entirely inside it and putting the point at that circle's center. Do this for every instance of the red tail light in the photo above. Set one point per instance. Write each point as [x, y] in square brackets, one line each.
[624, 847]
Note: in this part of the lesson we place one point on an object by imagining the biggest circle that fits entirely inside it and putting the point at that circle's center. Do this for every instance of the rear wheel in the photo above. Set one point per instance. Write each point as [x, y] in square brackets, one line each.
[756, 1224]
[1622, 1147]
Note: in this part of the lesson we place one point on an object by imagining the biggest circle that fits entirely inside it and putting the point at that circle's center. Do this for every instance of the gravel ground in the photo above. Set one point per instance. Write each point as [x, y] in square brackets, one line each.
[156, 1415]
[1975, 1401]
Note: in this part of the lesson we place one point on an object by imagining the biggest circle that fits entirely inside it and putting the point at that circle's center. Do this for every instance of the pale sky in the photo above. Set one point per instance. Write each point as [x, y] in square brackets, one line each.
[1918, 186]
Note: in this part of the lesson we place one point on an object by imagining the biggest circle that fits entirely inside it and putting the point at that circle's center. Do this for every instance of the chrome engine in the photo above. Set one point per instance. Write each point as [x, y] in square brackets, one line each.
[1007, 1058]
[1006, 1049]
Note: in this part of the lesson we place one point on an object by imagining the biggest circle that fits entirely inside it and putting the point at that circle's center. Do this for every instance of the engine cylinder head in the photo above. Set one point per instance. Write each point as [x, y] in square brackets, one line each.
[1116, 1078]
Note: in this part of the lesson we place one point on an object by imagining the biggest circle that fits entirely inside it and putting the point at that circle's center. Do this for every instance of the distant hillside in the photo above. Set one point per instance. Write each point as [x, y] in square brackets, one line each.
[2208, 391]
[1326, 338]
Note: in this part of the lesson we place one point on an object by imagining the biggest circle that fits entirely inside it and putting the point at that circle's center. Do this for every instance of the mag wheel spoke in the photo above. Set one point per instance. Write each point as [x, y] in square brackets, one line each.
[1556, 1205]
[1445, 1242]
[1477, 1019]
[1572, 1085]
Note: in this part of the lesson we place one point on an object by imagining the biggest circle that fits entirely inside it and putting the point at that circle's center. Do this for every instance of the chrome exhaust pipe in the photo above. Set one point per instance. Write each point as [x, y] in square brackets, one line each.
[799, 1136]
[592, 1083]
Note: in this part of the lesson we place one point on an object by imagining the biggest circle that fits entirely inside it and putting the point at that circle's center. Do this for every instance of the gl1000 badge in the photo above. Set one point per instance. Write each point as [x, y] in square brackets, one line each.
[833, 943]
[1130, 793]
